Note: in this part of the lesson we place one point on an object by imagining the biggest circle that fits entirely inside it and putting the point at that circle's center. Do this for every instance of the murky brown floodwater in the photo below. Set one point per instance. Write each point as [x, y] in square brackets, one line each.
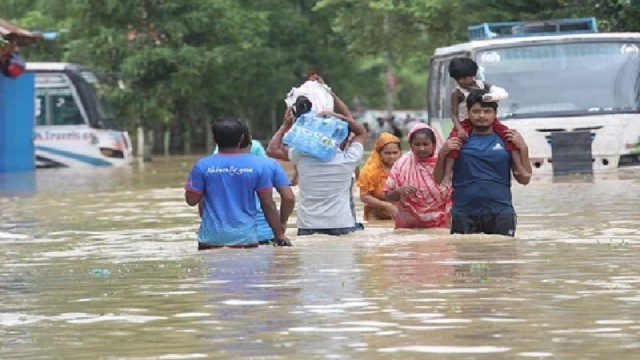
[104, 265]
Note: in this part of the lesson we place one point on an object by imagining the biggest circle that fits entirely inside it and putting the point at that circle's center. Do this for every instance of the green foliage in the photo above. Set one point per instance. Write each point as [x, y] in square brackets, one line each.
[191, 61]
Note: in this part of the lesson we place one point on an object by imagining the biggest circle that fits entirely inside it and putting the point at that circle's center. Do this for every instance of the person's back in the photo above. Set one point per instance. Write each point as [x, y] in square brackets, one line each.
[278, 179]
[225, 185]
[325, 188]
[229, 184]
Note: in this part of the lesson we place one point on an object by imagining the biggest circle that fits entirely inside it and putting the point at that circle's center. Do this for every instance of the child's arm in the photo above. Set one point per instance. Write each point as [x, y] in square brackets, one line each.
[456, 98]
[444, 166]
[496, 93]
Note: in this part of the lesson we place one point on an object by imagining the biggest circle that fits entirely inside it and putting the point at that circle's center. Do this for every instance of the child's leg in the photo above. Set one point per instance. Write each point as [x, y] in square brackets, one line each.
[453, 133]
[453, 153]
[466, 125]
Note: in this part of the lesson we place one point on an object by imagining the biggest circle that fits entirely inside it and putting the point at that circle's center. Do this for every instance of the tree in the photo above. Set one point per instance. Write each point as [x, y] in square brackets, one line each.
[183, 63]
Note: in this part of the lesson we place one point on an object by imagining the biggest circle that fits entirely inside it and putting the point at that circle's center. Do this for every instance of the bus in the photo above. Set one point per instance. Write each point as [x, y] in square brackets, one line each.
[566, 81]
[73, 128]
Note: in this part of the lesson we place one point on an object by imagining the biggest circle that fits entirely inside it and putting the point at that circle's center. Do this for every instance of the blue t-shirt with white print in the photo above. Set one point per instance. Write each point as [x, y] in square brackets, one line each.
[228, 184]
[279, 179]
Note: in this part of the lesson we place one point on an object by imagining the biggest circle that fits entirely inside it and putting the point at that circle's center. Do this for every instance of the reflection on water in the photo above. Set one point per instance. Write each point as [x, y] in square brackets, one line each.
[104, 265]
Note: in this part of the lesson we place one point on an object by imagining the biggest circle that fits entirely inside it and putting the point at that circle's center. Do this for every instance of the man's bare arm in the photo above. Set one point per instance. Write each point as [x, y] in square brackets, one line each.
[522, 173]
[521, 164]
[287, 203]
[276, 148]
[192, 198]
[273, 219]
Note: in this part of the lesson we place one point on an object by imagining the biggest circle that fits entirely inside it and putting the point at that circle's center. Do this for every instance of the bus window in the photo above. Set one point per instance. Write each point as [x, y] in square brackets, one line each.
[55, 101]
[57, 106]
[64, 110]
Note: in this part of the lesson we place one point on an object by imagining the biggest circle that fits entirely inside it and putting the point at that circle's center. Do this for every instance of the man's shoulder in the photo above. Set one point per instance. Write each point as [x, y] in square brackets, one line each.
[263, 164]
[260, 160]
[271, 164]
[269, 160]
[204, 161]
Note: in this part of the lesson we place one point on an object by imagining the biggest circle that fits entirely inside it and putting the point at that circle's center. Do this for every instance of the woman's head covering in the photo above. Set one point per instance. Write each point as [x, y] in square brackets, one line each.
[438, 144]
[373, 174]
[384, 139]
[257, 148]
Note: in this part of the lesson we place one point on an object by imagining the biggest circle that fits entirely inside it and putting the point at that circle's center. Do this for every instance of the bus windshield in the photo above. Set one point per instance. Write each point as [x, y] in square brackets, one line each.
[103, 108]
[564, 79]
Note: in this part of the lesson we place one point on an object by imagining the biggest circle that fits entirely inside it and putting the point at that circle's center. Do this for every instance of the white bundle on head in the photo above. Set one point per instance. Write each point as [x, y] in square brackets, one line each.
[319, 95]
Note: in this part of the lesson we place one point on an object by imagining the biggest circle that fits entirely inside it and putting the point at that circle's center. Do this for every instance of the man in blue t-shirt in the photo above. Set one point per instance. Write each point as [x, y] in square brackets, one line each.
[481, 175]
[226, 184]
[282, 184]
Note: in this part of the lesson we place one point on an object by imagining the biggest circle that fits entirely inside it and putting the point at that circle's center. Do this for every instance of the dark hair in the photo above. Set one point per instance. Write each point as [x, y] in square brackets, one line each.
[475, 97]
[301, 106]
[425, 131]
[462, 67]
[228, 131]
[246, 139]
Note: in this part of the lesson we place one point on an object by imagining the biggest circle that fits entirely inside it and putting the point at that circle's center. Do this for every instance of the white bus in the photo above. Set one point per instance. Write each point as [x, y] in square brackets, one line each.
[72, 127]
[559, 83]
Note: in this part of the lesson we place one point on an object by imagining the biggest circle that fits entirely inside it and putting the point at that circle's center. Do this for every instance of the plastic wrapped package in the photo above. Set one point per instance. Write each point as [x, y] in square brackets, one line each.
[317, 136]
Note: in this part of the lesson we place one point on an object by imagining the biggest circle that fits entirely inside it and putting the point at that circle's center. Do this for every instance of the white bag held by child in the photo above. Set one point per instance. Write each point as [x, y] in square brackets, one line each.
[319, 95]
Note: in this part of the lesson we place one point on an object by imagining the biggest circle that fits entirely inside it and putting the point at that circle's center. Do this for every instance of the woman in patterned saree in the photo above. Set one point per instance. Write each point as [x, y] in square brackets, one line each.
[422, 203]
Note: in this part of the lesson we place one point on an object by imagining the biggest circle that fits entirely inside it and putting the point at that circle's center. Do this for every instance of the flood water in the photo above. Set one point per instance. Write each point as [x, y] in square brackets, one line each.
[103, 264]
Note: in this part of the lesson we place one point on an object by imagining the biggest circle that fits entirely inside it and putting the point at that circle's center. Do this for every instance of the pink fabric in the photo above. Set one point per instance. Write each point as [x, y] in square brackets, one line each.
[431, 205]
[439, 141]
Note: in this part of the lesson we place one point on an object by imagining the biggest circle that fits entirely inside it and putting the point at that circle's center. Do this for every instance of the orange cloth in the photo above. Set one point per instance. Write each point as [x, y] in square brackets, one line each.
[374, 175]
